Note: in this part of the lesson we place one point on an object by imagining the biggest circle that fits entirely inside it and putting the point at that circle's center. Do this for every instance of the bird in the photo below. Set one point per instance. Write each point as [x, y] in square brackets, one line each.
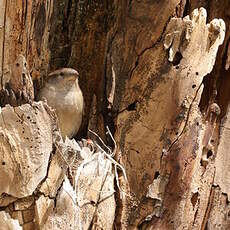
[62, 92]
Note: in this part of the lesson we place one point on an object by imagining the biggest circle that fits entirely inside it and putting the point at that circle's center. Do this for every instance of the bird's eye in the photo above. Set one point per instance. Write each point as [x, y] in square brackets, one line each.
[62, 74]
[17, 64]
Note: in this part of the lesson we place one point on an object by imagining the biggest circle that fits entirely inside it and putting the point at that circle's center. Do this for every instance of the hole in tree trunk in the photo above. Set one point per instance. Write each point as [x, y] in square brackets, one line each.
[156, 175]
[194, 199]
[177, 58]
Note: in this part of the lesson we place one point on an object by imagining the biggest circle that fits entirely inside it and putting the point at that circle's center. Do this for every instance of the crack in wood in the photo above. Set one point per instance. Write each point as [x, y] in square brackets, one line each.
[186, 8]
[3, 43]
[148, 48]
[209, 205]
[186, 120]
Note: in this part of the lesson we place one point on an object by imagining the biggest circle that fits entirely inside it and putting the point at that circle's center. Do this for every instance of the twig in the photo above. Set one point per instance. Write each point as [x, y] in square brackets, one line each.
[101, 140]
[113, 161]
[114, 142]
[109, 155]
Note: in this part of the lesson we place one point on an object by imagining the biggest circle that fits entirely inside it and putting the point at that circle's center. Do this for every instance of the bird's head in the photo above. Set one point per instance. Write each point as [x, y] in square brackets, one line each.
[63, 77]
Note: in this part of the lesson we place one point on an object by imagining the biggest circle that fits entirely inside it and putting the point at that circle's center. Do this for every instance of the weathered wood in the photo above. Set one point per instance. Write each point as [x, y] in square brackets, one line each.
[149, 77]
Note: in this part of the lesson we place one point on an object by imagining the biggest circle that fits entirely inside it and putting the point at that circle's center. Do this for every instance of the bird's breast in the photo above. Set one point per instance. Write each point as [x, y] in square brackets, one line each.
[68, 105]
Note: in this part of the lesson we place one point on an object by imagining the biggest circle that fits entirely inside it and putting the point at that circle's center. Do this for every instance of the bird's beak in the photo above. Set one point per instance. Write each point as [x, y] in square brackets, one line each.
[72, 78]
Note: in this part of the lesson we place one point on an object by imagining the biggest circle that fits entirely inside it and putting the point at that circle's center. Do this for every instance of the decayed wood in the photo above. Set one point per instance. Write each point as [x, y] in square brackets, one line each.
[26, 145]
[19, 87]
[222, 158]
[144, 70]
[24, 29]
[165, 117]
[34, 187]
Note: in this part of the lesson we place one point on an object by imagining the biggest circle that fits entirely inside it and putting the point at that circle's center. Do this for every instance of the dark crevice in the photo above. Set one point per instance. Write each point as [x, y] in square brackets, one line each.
[217, 83]
[156, 175]
[3, 208]
[195, 216]
[194, 199]
[181, 9]
[208, 95]
[3, 42]
[223, 84]
[39, 193]
[177, 58]
[62, 34]
[207, 7]
[209, 153]
[69, 6]
[209, 205]
[132, 107]
[186, 8]
[107, 111]
[102, 103]
[25, 9]
[57, 193]
[118, 211]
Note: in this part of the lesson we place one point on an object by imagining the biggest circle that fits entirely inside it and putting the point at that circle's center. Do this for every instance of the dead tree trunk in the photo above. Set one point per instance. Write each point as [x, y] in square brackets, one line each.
[156, 73]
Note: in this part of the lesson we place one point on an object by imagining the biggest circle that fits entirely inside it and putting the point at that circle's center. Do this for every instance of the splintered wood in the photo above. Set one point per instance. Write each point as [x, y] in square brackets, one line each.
[73, 182]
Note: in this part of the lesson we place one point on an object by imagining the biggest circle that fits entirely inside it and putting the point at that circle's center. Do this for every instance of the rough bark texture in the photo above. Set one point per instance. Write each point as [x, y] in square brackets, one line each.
[149, 72]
